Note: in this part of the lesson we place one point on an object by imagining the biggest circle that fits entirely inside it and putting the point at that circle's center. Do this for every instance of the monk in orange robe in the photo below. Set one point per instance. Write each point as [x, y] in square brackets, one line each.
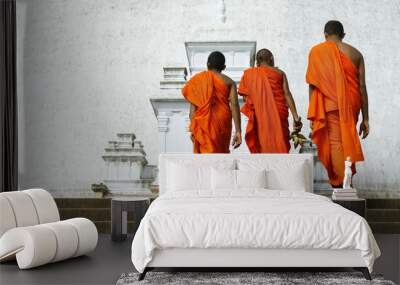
[336, 76]
[267, 97]
[213, 102]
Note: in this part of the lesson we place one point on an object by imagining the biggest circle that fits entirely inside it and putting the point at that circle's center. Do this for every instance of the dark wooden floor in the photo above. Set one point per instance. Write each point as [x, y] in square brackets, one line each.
[110, 260]
[103, 266]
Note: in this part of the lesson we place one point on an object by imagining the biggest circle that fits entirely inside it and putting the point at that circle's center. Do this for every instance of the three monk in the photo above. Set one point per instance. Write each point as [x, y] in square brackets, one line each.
[213, 103]
[337, 91]
[337, 94]
[267, 97]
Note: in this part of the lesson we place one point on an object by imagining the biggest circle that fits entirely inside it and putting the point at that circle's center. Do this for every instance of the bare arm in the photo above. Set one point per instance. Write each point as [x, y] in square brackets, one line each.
[364, 126]
[310, 91]
[297, 125]
[289, 98]
[234, 105]
[192, 110]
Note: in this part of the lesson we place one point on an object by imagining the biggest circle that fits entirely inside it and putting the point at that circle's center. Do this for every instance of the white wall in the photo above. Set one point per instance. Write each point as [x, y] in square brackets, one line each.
[88, 67]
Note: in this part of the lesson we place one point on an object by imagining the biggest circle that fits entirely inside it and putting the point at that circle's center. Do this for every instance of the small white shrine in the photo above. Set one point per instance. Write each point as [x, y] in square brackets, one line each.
[128, 172]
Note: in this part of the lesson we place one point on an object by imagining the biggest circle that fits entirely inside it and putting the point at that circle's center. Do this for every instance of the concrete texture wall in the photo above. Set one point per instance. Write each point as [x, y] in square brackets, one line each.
[88, 67]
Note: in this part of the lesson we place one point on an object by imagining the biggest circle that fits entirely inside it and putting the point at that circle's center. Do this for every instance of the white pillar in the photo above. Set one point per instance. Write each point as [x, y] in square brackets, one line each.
[163, 121]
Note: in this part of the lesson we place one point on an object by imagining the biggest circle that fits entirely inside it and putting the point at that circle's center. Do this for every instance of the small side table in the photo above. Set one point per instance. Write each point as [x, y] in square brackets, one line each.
[119, 214]
[358, 205]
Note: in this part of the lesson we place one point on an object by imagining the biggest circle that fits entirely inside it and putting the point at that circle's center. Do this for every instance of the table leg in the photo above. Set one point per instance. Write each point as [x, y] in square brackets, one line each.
[116, 221]
[124, 221]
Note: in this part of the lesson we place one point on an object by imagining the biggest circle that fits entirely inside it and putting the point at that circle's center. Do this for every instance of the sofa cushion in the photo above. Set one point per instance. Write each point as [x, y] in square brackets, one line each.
[45, 205]
[87, 235]
[67, 240]
[7, 220]
[23, 208]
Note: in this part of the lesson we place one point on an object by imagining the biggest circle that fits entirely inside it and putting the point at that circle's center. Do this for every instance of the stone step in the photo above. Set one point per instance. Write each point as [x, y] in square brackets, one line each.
[383, 215]
[383, 203]
[94, 214]
[385, 228]
[106, 203]
[83, 203]
[104, 227]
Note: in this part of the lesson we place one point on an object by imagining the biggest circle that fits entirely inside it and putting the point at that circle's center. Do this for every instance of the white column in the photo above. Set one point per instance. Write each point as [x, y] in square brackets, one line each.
[163, 121]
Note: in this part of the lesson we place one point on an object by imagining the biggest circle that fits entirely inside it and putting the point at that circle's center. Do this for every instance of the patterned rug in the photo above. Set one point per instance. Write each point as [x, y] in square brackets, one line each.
[243, 278]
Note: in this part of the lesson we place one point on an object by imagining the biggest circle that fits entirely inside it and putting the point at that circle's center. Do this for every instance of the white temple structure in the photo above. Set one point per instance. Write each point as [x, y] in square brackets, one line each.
[128, 172]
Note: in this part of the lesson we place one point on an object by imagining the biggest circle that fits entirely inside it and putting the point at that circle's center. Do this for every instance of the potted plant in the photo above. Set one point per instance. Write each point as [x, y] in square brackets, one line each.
[100, 190]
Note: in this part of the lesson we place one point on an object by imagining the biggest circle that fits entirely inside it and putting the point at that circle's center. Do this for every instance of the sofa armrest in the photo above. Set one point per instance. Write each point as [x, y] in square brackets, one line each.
[32, 246]
[40, 244]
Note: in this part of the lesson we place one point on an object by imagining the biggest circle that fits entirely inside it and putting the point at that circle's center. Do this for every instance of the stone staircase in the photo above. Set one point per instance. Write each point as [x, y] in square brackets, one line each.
[383, 215]
[95, 209]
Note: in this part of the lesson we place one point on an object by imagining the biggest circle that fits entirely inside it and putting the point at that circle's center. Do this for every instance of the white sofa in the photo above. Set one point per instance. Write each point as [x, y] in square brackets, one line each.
[31, 230]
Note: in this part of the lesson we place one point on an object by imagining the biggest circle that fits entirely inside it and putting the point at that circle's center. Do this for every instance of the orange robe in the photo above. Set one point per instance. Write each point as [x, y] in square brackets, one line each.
[211, 125]
[267, 129]
[334, 108]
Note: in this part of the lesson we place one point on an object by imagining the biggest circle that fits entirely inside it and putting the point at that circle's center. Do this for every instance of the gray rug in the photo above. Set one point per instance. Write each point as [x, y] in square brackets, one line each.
[242, 278]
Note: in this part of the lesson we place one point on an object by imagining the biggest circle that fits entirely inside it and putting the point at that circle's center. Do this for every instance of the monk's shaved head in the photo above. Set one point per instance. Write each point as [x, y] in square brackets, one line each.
[265, 56]
[216, 61]
[334, 27]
